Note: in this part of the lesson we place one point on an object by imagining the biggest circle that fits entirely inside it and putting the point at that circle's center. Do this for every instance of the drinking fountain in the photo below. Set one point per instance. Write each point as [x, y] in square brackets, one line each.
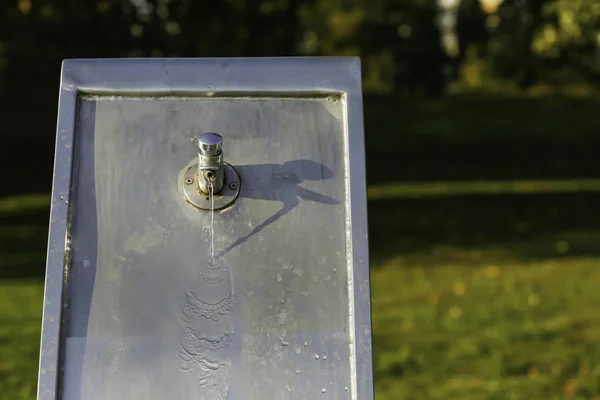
[234, 267]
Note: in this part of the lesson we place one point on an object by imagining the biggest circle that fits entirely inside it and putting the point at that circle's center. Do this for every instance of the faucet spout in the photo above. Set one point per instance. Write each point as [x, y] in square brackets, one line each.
[210, 163]
[210, 172]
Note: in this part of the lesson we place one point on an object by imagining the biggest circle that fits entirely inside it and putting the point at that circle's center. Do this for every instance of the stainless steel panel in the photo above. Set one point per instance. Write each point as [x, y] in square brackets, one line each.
[284, 311]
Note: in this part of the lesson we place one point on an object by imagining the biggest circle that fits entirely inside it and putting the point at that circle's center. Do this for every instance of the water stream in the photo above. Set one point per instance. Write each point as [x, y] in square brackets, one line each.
[211, 196]
[207, 332]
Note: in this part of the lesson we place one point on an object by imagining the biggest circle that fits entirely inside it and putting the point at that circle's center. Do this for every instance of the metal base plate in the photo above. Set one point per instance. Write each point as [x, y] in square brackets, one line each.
[230, 192]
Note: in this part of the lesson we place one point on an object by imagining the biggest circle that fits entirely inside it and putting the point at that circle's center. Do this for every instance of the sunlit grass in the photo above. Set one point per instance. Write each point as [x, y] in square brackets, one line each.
[13, 204]
[437, 189]
[522, 330]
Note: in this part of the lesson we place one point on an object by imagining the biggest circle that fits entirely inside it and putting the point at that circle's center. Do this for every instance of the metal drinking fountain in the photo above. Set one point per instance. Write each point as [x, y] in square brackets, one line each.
[233, 269]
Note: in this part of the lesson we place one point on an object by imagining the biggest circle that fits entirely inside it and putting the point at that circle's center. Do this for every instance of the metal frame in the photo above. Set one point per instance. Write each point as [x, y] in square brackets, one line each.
[205, 78]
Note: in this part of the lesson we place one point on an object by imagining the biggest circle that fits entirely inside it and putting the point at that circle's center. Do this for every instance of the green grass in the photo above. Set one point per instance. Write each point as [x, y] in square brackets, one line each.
[507, 330]
[20, 322]
[437, 189]
[24, 203]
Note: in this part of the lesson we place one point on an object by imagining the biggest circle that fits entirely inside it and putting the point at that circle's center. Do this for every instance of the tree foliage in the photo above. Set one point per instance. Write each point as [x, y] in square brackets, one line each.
[399, 41]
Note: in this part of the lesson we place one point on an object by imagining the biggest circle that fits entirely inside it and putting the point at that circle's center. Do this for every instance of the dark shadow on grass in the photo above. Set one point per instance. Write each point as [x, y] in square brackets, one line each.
[519, 226]
[23, 241]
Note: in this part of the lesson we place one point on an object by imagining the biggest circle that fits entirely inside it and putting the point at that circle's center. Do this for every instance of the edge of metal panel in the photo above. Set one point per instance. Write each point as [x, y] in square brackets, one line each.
[58, 245]
[210, 77]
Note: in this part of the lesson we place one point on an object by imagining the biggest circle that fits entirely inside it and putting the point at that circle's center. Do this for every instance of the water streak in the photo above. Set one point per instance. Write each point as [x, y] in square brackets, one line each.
[211, 196]
[207, 331]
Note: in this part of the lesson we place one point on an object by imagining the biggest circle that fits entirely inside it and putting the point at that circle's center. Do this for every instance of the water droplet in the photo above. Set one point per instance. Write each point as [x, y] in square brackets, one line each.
[324, 357]
[279, 277]
[305, 344]
[297, 371]
[62, 197]
[323, 390]
[283, 343]
[316, 356]
[345, 388]
[298, 350]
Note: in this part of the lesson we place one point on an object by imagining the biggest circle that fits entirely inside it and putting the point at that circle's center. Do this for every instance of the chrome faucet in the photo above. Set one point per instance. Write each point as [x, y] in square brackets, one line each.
[210, 162]
[210, 169]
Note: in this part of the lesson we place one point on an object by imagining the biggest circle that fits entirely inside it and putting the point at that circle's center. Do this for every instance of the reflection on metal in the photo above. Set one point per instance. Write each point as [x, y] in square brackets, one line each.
[267, 297]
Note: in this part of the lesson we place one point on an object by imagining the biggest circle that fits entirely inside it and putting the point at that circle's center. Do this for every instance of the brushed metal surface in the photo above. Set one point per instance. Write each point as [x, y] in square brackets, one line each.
[284, 311]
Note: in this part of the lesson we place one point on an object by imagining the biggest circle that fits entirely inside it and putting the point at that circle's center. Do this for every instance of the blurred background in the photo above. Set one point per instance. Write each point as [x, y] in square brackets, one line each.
[482, 133]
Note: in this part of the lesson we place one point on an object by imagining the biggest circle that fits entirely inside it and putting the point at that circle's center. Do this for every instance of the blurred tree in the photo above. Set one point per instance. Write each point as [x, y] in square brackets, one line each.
[569, 39]
[510, 51]
[38, 35]
[472, 28]
[398, 40]
[555, 41]
[406, 45]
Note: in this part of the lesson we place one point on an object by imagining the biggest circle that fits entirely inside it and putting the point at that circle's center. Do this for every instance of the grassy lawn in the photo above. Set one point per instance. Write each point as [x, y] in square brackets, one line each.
[506, 330]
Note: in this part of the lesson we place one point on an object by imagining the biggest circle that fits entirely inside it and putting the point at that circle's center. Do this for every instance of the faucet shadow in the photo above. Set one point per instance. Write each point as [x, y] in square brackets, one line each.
[280, 182]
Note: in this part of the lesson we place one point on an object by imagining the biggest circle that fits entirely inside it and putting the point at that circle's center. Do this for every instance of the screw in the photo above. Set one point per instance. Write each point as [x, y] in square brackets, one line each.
[233, 185]
[189, 181]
